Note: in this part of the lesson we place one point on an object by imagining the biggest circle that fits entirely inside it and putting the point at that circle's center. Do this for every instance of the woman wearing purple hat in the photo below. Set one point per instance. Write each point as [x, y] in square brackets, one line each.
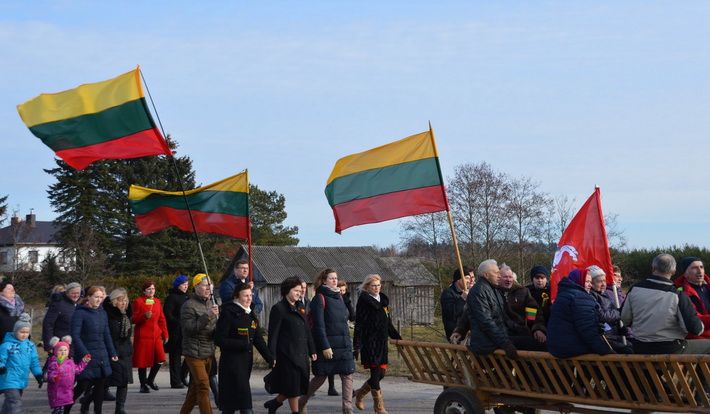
[177, 295]
[574, 327]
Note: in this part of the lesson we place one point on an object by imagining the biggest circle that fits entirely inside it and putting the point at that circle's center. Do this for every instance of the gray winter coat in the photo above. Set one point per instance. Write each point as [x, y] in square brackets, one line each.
[197, 328]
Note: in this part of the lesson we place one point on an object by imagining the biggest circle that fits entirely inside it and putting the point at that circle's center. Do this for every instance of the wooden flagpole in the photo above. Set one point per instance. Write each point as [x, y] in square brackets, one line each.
[184, 196]
[448, 210]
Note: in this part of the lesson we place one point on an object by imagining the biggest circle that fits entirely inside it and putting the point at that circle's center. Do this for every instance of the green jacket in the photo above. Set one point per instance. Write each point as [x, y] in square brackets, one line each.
[197, 328]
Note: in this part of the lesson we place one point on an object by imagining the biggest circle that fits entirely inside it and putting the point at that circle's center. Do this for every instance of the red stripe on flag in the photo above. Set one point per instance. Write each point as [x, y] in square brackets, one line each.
[141, 144]
[217, 223]
[389, 206]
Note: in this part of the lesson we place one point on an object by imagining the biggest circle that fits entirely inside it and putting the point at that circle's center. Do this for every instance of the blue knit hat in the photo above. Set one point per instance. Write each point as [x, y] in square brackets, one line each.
[578, 276]
[179, 281]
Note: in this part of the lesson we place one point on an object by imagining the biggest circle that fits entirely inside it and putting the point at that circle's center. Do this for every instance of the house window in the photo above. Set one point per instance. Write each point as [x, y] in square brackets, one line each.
[34, 256]
[3, 258]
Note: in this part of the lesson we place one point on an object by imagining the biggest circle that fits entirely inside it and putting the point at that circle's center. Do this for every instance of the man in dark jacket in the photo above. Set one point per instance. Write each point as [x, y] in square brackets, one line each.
[240, 275]
[540, 289]
[660, 316]
[198, 319]
[524, 317]
[486, 311]
[453, 299]
[177, 296]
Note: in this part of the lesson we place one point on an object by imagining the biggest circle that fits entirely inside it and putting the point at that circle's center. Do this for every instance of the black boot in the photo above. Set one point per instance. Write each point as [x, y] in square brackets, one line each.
[272, 405]
[143, 380]
[108, 396]
[121, 393]
[331, 385]
[151, 377]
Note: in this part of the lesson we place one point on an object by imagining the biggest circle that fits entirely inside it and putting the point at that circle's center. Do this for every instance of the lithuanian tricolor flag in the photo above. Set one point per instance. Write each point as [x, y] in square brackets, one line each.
[95, 121]
[220, 208]
[396, 180]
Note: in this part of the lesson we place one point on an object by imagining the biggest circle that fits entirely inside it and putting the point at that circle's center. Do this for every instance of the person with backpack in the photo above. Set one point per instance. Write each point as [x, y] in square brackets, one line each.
[328, 322]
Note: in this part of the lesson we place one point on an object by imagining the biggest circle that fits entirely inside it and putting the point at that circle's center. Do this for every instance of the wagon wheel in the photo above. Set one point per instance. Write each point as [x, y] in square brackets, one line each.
[457, 401]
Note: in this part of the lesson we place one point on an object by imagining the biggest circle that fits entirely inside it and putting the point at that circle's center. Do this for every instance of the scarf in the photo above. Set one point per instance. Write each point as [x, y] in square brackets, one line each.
[14, 307]
[247, 310]
[125, 326]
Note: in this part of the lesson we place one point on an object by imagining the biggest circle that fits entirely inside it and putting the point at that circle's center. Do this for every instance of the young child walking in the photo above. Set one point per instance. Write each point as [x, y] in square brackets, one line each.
[18, 356]
[61, 371]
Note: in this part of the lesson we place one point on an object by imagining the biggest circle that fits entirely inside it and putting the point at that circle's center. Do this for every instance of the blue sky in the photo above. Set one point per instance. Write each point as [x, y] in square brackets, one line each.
[572, 94]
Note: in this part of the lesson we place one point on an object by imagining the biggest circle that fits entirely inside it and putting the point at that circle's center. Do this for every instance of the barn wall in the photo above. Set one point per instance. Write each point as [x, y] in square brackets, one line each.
[412, 304]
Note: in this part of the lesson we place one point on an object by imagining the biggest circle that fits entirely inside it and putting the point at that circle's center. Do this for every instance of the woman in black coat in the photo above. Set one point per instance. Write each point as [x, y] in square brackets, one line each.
[57, 320]
[328, 317]
[177, 296]
[373, 326]
[118, 310]
[91, 335]
[237, 333]
[11, 307]
[291, 344]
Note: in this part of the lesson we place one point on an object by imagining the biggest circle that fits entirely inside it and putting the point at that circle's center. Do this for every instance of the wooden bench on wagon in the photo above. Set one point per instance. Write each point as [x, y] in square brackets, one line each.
[537, 380]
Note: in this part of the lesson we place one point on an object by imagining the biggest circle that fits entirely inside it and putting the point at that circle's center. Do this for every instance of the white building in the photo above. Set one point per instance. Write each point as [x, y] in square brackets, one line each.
[25, 244]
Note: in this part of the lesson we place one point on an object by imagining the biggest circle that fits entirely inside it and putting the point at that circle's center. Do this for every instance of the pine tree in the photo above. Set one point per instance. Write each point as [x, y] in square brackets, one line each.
[267, 211]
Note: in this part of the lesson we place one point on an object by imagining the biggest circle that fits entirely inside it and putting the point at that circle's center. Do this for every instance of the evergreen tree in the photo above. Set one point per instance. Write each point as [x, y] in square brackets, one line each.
[3, 208]
[267, 211]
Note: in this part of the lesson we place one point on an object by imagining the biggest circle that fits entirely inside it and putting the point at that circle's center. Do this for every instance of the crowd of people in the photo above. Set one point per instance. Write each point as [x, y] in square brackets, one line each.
[94, 340]
[490, 310]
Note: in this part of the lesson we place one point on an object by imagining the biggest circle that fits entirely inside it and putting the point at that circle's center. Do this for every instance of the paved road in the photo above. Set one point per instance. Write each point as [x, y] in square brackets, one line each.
[401, 397]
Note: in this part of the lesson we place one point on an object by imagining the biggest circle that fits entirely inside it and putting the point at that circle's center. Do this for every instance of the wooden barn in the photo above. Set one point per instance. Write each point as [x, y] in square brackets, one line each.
[408, 284]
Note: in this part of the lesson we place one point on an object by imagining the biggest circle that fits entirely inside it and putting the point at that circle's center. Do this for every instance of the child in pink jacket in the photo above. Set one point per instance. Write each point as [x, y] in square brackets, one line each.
[61, 371]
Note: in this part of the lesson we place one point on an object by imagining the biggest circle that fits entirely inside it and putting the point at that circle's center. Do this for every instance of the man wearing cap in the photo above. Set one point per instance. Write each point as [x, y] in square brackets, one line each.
[660, 316]
[198, 319]
[540, 289]
[693, 282]
[238, 276]
[453, 299]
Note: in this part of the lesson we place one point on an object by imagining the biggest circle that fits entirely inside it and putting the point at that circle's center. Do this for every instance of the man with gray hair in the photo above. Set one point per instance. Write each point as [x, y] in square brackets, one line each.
[486, 311]
[661, 316]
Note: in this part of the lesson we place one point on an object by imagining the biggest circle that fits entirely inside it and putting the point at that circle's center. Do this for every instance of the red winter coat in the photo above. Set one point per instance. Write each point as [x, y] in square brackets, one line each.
[703, 314]
[149, 333]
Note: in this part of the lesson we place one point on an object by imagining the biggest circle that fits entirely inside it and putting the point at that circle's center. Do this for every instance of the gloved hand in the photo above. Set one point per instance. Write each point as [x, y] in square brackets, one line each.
[510, 350]
[328, 353]
[40, 380]
[356, 354]
[623, 330]
[3, 370]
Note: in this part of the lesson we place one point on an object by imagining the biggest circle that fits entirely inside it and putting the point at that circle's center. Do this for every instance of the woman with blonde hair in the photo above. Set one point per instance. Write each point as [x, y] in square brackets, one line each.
[373, 326]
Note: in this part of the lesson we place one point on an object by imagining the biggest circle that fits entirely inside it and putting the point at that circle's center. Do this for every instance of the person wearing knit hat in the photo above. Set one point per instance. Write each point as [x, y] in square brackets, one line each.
[18, 357]
[574, 323]
[57, 320]
[198, 278]
[694, 283]
[177, 296]
[540, 289]
[61, 375]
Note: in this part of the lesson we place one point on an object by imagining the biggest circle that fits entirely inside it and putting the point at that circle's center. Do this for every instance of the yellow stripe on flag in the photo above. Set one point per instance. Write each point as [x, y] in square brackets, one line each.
[237, 183]
[413, 148]
[89, 98]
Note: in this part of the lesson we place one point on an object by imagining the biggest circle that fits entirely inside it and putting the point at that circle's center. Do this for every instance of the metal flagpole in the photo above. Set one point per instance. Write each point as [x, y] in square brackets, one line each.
[184, 196]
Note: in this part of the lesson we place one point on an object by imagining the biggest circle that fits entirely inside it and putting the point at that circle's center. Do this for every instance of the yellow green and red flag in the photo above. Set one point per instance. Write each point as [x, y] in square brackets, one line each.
[530, 313]
[399, 179]
[96, 121]
[219, 208]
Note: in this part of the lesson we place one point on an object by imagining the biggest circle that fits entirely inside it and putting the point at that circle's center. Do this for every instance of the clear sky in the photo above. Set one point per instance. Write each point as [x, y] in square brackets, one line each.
[572, 94]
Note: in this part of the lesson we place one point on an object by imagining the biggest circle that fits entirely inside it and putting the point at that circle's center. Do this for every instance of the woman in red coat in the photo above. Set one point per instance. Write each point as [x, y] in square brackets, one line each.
[150, 334]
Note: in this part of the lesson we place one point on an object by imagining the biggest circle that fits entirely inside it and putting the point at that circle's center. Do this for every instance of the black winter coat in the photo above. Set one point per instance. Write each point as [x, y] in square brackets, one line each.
[91, 335]
[452, 304]
[574, 323]
[487, 314]
[236, 335]
[328, 318]
[610, 315]
[542, 297]
[121, 370]
[349, 305]
[291, 343]
[7, 319]
[171, 308]
[57, 320]
[518, 299]
[373, 325]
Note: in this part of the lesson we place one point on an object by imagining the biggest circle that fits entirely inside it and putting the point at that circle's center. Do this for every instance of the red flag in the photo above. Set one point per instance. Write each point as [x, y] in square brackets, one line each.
[583, 244]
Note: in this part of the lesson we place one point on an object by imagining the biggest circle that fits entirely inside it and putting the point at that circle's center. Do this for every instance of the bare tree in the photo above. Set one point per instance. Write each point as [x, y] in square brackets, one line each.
[81, 245]
[528, 207]
[614, 233]
[478, 197]
[430, 231]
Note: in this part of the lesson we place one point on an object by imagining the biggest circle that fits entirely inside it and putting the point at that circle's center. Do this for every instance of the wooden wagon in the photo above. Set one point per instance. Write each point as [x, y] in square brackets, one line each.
[537, 380]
